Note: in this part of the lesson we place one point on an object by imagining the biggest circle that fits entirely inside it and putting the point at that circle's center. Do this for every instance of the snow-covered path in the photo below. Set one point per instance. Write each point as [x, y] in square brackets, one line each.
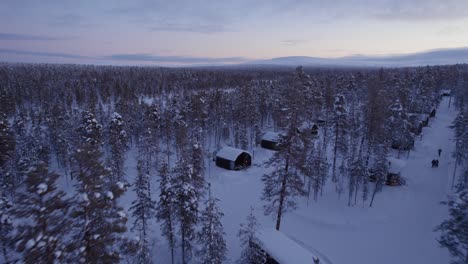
[398, 229]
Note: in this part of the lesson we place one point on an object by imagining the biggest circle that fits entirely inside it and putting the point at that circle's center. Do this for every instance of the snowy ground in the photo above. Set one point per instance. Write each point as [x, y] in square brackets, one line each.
[397, 229]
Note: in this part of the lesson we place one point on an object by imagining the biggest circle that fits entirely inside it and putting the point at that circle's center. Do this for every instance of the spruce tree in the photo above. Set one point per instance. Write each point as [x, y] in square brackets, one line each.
[166, 209]
[186, 206]
[118, 147]
[212, 245]
[340, 139]
[98, 220]
[143, 210]
[250, 253]
[42, 211]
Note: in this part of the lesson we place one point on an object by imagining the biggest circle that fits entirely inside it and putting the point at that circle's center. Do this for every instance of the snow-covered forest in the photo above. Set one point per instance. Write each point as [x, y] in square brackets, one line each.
[107, 164]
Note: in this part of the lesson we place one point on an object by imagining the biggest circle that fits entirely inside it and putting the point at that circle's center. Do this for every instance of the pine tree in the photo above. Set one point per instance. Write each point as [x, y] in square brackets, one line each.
[97, 218]
[165, 211]
[186, 206]
[250, 253]
[210, 238]
[340, 140]
[43, 214]
[283, 185]
[118, 146]
[198, 166]
[143, 210]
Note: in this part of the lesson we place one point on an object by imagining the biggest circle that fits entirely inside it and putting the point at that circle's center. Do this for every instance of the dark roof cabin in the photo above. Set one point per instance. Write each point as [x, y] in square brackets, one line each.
[233, 158]
[271, 140]
[277, 248]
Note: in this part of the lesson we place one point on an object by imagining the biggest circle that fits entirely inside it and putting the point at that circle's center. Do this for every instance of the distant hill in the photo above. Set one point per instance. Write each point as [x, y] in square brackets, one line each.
[432, 57]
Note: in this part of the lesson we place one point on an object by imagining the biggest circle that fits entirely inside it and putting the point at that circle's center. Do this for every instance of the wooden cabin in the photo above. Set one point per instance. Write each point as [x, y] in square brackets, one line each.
[271, 140]
[277, 248]
[233, 159]
[394, 177]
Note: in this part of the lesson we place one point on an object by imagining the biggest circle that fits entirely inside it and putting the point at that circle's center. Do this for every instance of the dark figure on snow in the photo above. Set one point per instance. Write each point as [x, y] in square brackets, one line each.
[436, 163]
[440, 151]
[433, 163]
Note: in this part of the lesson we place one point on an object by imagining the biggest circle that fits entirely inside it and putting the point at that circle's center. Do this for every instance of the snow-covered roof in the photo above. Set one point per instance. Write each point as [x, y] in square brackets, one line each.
[445, 91]
[230, 153]
[395, 165]
[271, 136]
[282, 248]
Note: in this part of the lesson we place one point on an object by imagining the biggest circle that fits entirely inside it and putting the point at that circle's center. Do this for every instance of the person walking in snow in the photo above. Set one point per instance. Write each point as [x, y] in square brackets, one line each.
[437, 163]
[433, 163]
[440, 151]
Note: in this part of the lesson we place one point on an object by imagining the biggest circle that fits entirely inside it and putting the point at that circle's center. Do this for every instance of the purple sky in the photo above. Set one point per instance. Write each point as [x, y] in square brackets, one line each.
[175, 32]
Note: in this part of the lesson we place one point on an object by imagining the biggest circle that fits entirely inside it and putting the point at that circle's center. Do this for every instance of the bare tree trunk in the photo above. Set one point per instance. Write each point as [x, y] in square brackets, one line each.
[377, 183]
[454, 173]
[282, 194]
[183, 247]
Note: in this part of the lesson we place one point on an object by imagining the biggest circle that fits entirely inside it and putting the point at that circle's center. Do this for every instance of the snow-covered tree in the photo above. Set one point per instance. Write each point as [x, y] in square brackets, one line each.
[340, 137]
[198, 167]
[283, 185]
[143, 210]
[316, 169]
[212, 245]
[98, 220]
[165, 211]
[250, 254]
[42, 213]
[7, 151]
[186, 206]
[6, 227]
[454, 230]
[118, 147]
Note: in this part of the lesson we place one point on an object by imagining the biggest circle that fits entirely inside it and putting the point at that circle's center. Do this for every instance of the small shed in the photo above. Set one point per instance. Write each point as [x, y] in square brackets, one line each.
[233, 159]
[445, 92]
[394, 177]
[277, 248]
[271, 140]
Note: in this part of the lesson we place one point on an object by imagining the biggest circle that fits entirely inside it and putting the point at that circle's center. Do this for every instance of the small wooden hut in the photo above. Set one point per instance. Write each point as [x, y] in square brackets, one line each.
[233, 158]
[394, 177]
[271, 140]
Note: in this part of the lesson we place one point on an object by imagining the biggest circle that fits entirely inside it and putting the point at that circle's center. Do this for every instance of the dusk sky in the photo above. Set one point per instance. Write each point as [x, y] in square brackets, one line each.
[175, 32]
